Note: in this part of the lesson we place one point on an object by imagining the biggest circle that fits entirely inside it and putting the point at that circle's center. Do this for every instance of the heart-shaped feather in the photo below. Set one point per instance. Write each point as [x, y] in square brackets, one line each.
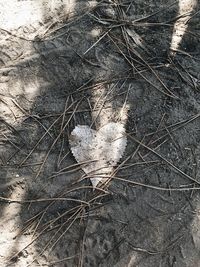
[102, 149]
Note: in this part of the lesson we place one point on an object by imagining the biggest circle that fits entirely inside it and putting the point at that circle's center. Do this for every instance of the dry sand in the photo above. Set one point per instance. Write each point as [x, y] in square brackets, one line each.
[68, 63]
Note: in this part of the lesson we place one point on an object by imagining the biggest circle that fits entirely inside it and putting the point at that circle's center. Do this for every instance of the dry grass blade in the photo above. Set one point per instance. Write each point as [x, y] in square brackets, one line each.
[47, 245]
[126, 166]
[52, 263]
[180, 125]
[157, 130]
[44, 211]
[74, 19]
[137, 39]
[151, 252]
[139, 72]
[103, 102]
[96, 42]
[75, 215]
[10, 141]
[46, 132]
[55, 141]
[156, 12]
[30, 116]
[165, 160]
[40, 234]
[39, 141]
[42, 200]
[135, 183]
[74, 167]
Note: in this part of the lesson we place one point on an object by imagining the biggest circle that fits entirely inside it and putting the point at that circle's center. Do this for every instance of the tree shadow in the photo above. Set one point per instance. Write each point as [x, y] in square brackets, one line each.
[72, 71]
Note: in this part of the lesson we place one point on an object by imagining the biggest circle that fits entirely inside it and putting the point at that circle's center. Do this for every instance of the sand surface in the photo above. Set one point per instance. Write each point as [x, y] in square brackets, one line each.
[71, 62]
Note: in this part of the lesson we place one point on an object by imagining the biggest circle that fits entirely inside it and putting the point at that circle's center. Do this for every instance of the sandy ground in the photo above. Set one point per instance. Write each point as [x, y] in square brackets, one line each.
[65, 63]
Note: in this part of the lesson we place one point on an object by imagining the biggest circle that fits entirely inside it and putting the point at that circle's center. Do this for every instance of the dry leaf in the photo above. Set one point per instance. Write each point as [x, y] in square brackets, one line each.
[102, 149]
